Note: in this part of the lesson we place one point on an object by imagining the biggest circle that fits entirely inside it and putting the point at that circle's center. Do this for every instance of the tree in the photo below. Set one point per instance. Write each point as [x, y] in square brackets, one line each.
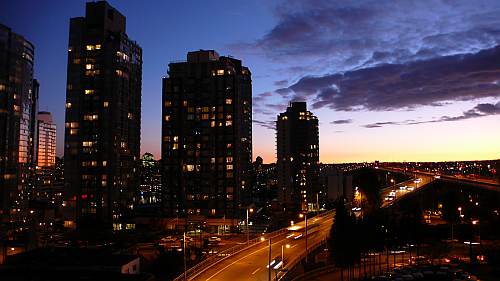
[343, 243]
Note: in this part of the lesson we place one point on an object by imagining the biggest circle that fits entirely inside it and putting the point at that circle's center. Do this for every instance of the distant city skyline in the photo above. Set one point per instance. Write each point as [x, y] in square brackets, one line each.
[388, 81]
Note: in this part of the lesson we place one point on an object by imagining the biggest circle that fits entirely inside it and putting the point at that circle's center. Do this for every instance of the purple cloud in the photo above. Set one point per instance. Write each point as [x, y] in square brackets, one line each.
[480, 110]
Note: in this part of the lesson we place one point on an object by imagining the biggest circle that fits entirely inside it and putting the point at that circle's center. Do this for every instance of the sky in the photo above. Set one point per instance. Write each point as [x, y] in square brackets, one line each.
[388, 80]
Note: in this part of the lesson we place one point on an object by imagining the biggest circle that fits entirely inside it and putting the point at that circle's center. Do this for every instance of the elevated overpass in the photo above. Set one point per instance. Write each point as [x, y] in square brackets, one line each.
[249, 261]
[423, 178]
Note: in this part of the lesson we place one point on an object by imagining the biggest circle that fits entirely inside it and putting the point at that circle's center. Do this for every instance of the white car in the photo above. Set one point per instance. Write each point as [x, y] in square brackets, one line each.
[214, 239]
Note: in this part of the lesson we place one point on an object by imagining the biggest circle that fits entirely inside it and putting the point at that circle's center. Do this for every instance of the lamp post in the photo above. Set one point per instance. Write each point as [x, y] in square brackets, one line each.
[305, 218]
[248, 227]
[184, 253]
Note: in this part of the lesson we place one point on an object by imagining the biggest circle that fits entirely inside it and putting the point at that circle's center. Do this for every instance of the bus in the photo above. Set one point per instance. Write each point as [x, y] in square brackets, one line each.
[298, 231]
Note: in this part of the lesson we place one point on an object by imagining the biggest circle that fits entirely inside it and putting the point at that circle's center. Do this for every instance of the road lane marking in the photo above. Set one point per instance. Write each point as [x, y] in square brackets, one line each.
[263, 248]
[217, 273]
[255, 271]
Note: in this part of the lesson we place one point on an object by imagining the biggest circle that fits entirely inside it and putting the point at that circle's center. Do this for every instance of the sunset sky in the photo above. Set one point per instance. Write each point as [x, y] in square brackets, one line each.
[388, 80]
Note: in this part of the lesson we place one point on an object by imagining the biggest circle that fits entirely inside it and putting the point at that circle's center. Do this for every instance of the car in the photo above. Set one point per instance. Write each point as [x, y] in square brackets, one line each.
[276, 263]
[214, 239]
[168, 239]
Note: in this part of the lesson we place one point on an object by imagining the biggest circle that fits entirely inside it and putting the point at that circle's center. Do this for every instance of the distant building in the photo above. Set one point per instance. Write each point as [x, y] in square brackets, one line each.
[103, 119]
[207, 138]
[335, 183]
[150, 189]
[46, 141]
[297, 157]
[18, 106]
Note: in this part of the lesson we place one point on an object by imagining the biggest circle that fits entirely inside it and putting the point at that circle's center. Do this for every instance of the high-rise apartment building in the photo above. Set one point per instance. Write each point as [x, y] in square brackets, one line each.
[207, 138]
[46, 141]
[297, 143]
[103, 118]
[18, 103]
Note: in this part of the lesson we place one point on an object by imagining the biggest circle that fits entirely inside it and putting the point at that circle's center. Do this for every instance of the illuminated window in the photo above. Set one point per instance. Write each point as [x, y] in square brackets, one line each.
[123, 144]
[212, 124]
[189, 168]
[90, 47]
[167, 118]
[229, 167]
[185, 103]
[119, 72]
[73, 131]
[104, 163]
[90, 117]
[212, 211]
[205, 109]
[176, 138]
[168, 103]
[2, 87]
[88, 143]
[70, 49]
[175, 146]
[229, 145]
[204, 116]
[68, 105]
[229, 159]
[89, 66]
[220, 71]
[229, 123]
[105, 104]
[130, 115]
[89, 92]
[98, 46]
[229, 101]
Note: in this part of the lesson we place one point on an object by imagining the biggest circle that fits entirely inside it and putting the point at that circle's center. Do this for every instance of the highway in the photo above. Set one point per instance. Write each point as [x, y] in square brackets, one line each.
[395, 192]
[250, 264]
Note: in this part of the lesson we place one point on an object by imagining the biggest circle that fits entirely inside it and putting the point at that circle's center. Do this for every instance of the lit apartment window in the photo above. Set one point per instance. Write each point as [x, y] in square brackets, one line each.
[175, 146]
[88, 143]
[229, 123]
[89, 92]
[189, 168]
[90, 117]
[104, 163]
[105, 104]
[167, 118]
[70, 49]
[168, 103]
[89, 66]
[98, 46]
[68, 105]
[130, 115]
[90, 47]
[220, 71]
[123, 144]
[73, 131]
[229, 167]
[229, 159]
[229, 101]
[185, 103]
[212, 211]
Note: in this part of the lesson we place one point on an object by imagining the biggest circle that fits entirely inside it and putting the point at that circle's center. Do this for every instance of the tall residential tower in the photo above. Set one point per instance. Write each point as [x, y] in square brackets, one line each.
[103, 118]
[18, 106]
[297, 157]
[207, 138]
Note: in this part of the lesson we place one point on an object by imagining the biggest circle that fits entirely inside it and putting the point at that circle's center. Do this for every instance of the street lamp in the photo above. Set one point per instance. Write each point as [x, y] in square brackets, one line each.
[248, 227]
[304, 215]
[283, 255]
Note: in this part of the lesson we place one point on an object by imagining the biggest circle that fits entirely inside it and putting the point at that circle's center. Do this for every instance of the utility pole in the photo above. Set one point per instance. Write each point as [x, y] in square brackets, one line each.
[184, 252]
[269, 261]
[306, 235]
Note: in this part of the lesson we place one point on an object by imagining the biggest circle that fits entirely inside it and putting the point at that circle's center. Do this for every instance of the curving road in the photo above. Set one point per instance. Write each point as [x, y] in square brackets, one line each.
[251, 263]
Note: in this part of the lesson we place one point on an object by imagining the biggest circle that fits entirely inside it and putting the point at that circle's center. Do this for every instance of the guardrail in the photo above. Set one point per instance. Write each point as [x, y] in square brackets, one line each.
[296, 261]
[219, 257]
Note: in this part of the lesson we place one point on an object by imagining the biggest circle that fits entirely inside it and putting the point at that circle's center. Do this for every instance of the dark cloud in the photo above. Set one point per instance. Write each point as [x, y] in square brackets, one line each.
[271, 125]
[431, 82]
[480, 110]
[281, 83]
[341, 121]
[350, 34]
